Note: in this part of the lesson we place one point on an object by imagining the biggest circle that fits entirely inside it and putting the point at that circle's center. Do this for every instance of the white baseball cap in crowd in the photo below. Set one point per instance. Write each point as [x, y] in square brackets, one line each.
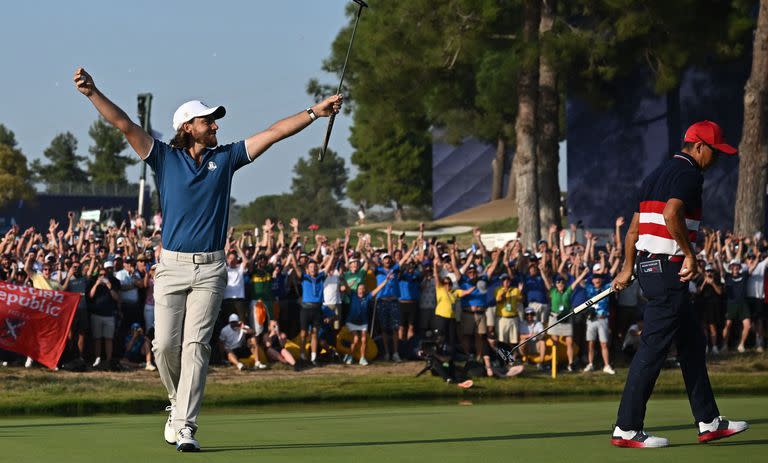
[193, 109]
[120, 241]
[234, 318]
[735, 262]
[108, 264]
[596, 268]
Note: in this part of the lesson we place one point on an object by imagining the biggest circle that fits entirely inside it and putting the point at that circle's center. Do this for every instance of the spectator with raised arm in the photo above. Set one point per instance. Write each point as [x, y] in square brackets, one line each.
[756, 263]
[357, 320]
[103, 304]
[311, 314]
[410, 280]
[388, 301]
[130, 283]
[233, 300]
[535, 290]
[736, 302]
[597, 322]
[446, 298]
[709, 303]
[508, 301]
[560, 303]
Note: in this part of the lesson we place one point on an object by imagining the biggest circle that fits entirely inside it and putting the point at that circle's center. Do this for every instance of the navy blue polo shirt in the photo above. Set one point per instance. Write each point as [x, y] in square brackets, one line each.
[535, 289]
[410, 285]
[358, 309]
[195, 199]
[679, 177]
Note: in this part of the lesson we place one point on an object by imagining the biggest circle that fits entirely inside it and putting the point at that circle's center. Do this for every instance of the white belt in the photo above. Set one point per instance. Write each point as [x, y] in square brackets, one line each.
[193, 257]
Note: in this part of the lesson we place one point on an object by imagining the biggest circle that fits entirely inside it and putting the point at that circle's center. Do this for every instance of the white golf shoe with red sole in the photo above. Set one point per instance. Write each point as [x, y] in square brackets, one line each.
[720, 428]
[636, 439]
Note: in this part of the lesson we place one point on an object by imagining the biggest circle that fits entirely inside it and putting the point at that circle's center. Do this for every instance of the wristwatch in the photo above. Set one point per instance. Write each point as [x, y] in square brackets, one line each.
[312, 114]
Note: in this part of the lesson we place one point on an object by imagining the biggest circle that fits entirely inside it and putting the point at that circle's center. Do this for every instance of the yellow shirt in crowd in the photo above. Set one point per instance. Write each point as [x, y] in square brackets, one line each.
[40, 282]
[507, 300]
[445, 300]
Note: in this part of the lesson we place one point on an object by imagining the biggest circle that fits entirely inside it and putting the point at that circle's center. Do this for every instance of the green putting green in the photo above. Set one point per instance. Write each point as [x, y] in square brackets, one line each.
[488, 432]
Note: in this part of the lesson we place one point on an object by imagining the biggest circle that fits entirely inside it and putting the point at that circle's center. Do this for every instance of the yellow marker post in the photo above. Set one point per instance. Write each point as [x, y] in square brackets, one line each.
[554, 360]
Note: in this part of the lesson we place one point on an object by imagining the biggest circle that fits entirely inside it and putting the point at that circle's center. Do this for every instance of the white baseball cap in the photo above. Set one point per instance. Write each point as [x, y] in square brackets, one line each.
[193, 109]
[234, 318]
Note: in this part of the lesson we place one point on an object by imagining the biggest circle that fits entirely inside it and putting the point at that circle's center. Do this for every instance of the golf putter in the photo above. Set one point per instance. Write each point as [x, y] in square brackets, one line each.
[332, 118]
[506, 351]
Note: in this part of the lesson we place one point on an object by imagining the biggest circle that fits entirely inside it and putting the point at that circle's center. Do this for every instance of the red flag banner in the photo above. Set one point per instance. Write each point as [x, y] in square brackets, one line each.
[35, 322]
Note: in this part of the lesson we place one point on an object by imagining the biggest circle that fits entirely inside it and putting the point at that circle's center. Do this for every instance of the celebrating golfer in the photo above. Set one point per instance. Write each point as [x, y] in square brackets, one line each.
[194, 177]
[665, 223]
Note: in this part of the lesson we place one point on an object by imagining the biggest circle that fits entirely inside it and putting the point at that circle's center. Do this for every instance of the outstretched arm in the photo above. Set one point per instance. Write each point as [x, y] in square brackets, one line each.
[408, 254]
[140, 141]
[256, 144]
[580, 278]
[622, 280]
[384, 282]
[292, 262]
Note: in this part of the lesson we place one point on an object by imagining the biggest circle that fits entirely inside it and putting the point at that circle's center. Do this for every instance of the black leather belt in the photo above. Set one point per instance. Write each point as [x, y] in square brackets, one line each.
[651, 255]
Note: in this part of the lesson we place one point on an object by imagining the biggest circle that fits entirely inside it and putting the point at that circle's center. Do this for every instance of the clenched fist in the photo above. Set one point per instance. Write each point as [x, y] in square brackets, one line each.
[84, 82]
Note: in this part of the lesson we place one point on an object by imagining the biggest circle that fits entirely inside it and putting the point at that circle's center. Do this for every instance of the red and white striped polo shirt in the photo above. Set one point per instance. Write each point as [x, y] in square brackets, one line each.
[679, 177]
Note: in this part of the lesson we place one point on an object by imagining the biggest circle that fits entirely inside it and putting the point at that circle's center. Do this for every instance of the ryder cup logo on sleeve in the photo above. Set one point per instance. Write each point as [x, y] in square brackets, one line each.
[212, 165]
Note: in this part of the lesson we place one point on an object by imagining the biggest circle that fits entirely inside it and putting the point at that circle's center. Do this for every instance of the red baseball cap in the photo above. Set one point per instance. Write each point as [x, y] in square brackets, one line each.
[709, 133]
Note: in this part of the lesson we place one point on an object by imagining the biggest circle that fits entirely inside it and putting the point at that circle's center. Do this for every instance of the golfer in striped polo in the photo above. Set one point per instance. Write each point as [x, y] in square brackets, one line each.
[194, 176]
[659, 239]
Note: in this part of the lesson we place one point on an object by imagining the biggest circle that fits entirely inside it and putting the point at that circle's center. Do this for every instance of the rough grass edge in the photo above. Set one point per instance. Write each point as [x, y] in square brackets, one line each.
[354, 390]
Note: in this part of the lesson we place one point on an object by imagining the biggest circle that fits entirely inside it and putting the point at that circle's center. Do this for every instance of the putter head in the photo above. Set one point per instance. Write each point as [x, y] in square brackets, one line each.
[361, 3]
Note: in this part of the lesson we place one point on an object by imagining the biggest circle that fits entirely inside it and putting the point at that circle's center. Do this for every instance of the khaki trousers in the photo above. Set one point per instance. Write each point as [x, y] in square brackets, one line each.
[188, 293]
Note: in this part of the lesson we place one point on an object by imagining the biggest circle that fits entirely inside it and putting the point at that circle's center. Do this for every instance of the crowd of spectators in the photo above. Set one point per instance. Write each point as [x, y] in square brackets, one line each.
[288, 287]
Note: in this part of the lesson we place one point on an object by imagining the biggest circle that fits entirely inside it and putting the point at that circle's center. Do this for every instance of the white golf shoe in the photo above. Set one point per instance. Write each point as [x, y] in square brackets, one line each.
[720, 428]
[636, 439]
[185, 440]
[168, 432]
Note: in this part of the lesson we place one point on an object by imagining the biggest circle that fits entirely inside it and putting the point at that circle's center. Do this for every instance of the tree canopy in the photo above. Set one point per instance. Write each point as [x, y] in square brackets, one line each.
[15, 179]
[64, 162]
[108, 165]
[317, 189]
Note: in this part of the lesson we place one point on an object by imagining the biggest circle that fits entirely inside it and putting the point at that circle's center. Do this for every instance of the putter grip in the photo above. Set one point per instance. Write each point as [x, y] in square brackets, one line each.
[327, 136]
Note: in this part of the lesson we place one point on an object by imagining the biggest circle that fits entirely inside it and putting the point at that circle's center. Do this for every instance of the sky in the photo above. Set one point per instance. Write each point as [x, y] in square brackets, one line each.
[253, 57]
